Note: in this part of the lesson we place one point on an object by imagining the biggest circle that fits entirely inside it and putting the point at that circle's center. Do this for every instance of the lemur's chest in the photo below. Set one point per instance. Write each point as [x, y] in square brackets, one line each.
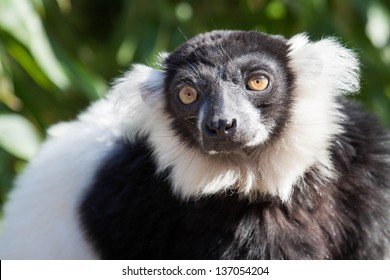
[130, 213]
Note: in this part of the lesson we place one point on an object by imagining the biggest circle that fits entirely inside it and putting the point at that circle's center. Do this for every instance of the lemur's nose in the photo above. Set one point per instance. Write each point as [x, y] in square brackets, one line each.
[221, 128]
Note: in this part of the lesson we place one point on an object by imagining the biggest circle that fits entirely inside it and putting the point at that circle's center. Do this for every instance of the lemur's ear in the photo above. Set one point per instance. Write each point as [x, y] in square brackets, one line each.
[153, 84]
[150, 83]
[162, 56]
[325, 62]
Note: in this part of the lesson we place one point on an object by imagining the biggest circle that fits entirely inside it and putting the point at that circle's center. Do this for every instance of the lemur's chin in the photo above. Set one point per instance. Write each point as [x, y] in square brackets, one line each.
[221, 147]
[239, 150]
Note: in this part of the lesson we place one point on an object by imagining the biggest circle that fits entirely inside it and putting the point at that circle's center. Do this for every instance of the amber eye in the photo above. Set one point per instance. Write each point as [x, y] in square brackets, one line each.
[258, 83]
[188, 95]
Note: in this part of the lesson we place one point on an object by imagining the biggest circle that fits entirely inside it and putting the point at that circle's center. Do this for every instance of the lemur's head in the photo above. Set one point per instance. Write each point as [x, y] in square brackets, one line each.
[246, 110]
[229, 91]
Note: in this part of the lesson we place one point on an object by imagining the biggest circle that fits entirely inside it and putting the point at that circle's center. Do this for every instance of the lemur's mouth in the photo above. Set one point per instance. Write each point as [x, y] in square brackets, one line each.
[227, 148]
[221, 146]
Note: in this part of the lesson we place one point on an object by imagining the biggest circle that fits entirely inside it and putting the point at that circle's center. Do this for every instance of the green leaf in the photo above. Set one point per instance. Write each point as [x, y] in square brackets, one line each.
[18, 136]
[18, 18]
[30, 65]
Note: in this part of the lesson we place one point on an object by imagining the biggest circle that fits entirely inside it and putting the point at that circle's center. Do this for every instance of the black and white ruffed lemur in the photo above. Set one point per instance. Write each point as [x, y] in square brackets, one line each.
[241, 146]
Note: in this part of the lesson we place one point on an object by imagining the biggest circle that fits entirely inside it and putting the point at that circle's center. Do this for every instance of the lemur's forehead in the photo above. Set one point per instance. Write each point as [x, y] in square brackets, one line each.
[225, 67]
[218, 48]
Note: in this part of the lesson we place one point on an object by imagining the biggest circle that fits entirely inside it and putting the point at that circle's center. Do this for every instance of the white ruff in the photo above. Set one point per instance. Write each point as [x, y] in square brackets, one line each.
[324, 70]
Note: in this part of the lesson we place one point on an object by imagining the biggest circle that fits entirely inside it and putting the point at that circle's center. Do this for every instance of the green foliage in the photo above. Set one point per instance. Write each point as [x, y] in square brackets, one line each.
[58, 56]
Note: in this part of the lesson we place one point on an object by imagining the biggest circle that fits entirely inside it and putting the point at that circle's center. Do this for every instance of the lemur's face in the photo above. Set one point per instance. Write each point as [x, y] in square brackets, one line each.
[229, 92]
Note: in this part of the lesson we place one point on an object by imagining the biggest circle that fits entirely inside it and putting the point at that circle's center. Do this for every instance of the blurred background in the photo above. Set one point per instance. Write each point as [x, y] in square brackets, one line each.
[58, 56]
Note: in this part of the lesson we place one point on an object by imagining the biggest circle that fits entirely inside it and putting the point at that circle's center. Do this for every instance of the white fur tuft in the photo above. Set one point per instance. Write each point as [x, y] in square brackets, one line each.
[325, 61]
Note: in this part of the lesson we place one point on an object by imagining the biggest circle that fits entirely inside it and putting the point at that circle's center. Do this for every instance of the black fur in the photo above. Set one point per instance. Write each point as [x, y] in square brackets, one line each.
[130, 213]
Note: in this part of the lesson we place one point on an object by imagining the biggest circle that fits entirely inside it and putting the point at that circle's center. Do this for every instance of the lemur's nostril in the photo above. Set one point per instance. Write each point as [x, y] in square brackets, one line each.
[230, 125]
[221, 128]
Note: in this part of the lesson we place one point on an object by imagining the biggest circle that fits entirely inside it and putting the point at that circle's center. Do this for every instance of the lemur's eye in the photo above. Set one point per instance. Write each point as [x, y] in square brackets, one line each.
[257, 83]
[188, 95]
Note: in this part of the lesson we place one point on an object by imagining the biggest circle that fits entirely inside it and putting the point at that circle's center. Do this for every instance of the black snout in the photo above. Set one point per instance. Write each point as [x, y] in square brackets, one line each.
[221, 128]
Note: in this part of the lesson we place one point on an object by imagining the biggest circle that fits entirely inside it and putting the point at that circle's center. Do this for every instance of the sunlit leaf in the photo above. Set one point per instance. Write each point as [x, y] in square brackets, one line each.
[29, 64]
[18, 18]
[18, 136]
[378, 25]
